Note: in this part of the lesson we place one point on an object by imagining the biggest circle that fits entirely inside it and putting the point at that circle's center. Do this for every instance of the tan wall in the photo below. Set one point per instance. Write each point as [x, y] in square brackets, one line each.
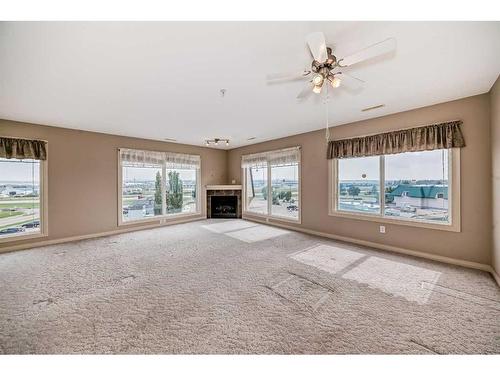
[82, 176]
[473, 243]
[495, 150]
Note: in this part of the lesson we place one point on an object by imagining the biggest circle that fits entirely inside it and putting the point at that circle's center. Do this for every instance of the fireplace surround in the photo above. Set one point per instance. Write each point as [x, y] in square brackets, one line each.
[223, 201]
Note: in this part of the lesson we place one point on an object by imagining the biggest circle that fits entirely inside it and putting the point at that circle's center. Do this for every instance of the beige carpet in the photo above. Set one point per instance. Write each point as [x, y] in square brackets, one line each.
[239, 287]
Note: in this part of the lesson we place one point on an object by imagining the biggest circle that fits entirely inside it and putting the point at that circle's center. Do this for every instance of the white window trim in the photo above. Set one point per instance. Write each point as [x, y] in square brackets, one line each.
[44, 215]
[454, 198]
[269, 215]
[167, 218]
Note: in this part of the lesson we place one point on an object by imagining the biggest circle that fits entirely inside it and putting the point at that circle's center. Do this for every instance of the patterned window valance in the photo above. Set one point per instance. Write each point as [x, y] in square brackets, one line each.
[277, 157]
[143, 158]
[431, 137]
[18, 148]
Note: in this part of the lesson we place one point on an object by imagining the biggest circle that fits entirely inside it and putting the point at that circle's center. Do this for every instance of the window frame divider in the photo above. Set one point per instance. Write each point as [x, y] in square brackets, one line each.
[382, 185]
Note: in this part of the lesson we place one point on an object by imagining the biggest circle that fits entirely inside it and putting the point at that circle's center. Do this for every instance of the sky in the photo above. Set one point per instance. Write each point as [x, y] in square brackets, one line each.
[277, 173]
[149, 174]
[19, 171]
[424, 165]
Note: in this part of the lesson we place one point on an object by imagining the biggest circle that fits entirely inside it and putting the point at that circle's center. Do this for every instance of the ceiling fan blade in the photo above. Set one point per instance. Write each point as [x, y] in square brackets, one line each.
[377, 49]
[350, 81]
[288, 76]
[317, 46]
[306, 91]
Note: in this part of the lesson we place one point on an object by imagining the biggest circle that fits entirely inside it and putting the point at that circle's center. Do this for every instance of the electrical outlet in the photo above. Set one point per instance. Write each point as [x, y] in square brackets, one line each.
[382, 229]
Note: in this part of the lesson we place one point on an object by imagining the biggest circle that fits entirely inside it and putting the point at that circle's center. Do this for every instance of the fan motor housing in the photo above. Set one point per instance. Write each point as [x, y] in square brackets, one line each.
[325, 67]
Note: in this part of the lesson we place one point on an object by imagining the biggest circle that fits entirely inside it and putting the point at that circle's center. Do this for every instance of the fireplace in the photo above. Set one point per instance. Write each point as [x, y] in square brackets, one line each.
[224, 206]
[220, 207]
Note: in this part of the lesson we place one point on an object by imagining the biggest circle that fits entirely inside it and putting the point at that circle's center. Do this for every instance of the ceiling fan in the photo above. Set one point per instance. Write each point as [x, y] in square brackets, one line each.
[327, 69]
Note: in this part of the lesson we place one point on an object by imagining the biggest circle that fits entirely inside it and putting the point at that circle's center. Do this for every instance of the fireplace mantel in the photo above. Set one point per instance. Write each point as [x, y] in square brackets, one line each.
[223, 187]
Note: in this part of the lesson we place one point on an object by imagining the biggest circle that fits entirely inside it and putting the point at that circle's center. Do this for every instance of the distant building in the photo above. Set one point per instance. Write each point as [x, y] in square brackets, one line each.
[141, 208]
[424, 196]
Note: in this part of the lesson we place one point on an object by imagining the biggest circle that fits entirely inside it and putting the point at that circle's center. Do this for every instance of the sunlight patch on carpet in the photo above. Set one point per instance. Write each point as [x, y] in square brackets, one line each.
[396, 278]
[228, 226]
[332, 259]
[257, 233]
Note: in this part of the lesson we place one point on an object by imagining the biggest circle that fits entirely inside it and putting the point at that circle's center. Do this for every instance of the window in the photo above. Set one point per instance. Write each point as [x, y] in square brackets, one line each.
[272, 184]
[256, 191]
[156, 185]
[411, 187]
[420, 177]
[285, 190]
[141, 191]
[358, 185]
[21, 198]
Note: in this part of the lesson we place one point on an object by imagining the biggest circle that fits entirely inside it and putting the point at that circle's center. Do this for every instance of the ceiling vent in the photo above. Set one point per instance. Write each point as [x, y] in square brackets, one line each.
[372, 108]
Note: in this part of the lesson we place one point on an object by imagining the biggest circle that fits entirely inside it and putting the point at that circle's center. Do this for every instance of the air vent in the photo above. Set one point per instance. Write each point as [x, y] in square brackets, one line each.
[372, 108]
[170, 139]
[251, 138]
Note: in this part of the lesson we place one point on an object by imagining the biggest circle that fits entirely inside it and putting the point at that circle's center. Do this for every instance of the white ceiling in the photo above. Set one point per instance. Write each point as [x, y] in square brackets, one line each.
[162, 79]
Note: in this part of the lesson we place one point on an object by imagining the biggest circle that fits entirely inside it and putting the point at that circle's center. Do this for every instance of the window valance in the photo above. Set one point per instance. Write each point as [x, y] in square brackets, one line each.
[277, 157]
[143, 158]
[18, 148]
[430, 137]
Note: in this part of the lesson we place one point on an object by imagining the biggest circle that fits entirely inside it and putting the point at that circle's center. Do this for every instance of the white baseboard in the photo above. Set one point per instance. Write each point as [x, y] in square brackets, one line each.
[420, 254]
[30, 245]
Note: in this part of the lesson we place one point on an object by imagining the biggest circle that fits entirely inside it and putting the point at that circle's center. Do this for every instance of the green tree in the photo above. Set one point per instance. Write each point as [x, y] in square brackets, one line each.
[174, 192]
[158, 194]
[285, 195]
[264, 192]
[354, 190]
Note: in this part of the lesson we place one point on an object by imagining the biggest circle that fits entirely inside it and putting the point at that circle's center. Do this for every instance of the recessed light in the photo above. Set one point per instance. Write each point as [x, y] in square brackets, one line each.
[170, 139]
[372, 108]
[251, 138]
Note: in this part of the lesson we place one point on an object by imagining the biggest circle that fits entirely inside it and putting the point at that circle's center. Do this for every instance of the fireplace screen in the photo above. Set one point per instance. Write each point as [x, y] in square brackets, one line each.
[224, 206]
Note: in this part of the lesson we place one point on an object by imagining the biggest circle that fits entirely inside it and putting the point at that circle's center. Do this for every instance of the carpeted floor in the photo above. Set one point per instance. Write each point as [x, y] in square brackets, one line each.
[238, 287]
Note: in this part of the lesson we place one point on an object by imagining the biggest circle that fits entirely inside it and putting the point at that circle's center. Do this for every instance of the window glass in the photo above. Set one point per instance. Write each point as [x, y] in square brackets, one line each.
[20, 200]
[416, 185]
[181, 191]
[141, 192]
[285, 190]
[256, 189]
[359, 185]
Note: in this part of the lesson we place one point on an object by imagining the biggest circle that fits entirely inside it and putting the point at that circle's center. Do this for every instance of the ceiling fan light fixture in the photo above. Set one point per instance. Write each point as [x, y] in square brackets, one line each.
[318, 80]
[317, 89]
[335, 82]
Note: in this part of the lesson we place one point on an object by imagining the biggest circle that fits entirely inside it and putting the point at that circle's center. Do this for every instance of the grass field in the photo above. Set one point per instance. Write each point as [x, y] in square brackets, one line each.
[19, 205]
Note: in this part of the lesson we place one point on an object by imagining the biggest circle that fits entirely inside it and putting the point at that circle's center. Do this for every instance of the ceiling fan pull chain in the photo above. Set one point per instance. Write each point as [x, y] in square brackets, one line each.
[327, 130]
